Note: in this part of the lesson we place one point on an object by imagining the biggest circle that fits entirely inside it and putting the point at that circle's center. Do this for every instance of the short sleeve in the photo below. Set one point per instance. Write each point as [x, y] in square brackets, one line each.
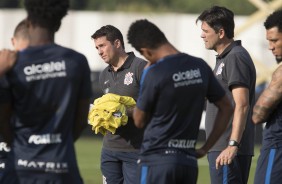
[148, 91]
[85, 87]
[237, 70]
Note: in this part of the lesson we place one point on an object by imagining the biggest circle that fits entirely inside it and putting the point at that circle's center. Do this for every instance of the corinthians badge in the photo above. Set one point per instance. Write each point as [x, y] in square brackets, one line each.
[128, 79]
[219, 69]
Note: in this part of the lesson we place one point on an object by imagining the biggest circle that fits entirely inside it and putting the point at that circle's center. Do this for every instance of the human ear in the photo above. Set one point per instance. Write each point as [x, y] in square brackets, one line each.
[221, 33]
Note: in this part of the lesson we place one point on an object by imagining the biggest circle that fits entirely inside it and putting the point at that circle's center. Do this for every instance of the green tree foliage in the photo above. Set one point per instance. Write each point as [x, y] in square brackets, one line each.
[239, 7]
[9, 3]
[242, 7]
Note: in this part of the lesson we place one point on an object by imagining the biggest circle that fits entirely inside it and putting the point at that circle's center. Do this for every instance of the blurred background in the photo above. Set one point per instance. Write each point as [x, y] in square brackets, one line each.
[176, 18]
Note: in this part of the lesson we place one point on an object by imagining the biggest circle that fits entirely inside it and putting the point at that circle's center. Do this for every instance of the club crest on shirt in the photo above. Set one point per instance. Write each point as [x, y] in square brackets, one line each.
[219, 69]
[128, 79]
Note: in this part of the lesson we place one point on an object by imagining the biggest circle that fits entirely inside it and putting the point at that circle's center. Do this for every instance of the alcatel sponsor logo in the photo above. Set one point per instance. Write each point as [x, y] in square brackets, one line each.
[4, 147]
[58, 167]
[45, 139]
[187, 78]
[44, 71]
[181, 143]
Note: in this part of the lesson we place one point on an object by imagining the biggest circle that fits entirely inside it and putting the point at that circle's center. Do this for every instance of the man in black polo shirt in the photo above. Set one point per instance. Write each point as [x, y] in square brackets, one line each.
[235, 71]
[172, 97]
[121, 77]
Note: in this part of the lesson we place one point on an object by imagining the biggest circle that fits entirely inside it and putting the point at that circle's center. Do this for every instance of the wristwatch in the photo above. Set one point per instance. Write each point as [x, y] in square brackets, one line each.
[233, 143]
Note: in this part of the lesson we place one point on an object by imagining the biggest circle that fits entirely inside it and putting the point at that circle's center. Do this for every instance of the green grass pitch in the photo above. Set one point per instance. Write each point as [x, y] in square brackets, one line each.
[88, 155]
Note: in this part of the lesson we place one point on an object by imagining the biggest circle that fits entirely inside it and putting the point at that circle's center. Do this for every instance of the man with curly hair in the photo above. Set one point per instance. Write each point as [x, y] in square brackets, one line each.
[47, 94]
[170, 104]
[268, 108]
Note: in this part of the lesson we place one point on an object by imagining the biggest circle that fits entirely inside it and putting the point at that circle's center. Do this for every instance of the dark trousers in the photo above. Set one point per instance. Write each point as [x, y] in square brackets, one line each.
[235, 173]
[119, 167]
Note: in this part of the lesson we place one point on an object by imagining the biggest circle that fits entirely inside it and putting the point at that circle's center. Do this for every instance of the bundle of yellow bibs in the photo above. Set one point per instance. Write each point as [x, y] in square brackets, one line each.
[109, 112]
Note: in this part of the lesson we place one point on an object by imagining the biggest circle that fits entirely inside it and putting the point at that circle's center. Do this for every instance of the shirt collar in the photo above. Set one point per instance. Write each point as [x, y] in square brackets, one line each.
[228, 49]
[126, 64]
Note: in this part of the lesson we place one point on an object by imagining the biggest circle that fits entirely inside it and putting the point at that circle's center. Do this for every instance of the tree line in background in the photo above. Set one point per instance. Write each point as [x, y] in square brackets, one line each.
[239, 7]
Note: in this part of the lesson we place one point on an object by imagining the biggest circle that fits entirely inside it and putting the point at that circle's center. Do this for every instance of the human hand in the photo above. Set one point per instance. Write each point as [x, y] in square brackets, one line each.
[200, 153]
[226, 156]
[7, 60]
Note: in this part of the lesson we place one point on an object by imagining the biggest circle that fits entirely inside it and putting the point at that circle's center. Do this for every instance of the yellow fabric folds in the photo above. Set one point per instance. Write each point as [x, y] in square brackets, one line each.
[109, 112]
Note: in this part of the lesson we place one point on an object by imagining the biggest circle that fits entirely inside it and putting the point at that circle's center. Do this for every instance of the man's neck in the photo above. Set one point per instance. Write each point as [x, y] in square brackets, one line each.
[166, 50]
[223, 45]
[120, 61]
[40, 36]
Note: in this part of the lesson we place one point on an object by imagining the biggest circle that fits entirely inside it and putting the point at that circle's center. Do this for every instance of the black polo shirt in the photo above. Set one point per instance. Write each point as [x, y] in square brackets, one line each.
[234, 67]
[125, 82]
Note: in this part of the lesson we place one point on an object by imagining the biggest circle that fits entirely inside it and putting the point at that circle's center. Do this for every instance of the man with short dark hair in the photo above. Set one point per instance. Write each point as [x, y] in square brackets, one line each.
[20, 39]
[268, 109]
[231, 157]
[122, 77]
[170, 105]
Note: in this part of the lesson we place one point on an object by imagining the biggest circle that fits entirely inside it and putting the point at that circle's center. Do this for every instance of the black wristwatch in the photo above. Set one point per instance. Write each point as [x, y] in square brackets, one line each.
[233, 143]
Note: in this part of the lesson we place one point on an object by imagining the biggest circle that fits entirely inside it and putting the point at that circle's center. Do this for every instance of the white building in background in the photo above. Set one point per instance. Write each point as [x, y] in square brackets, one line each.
[180, 29]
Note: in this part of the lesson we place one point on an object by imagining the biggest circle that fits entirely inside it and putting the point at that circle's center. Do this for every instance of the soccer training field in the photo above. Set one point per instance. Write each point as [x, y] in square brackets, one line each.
[88, 155]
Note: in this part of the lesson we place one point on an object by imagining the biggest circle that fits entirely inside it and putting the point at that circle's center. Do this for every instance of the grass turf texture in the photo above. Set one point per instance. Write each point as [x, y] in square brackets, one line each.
[88, 150]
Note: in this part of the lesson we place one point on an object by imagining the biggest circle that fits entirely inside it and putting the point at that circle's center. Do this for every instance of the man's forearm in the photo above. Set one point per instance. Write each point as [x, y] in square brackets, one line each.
[239, 122]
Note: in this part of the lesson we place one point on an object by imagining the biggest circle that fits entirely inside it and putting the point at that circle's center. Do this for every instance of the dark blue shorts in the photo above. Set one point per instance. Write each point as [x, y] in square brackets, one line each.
[167, 174]
[119, 167]
[235, 173]
[269, 166]
[167, 169]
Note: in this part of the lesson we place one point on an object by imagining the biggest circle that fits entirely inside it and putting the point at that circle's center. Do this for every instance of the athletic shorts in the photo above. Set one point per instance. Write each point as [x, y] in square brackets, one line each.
[34, 179]
[269, 167]
[175, 168]
[119, 167]
[235, 173]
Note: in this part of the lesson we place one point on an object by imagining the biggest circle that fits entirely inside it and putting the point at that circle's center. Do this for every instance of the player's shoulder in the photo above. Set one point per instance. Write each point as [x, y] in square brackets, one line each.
[69, 51]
